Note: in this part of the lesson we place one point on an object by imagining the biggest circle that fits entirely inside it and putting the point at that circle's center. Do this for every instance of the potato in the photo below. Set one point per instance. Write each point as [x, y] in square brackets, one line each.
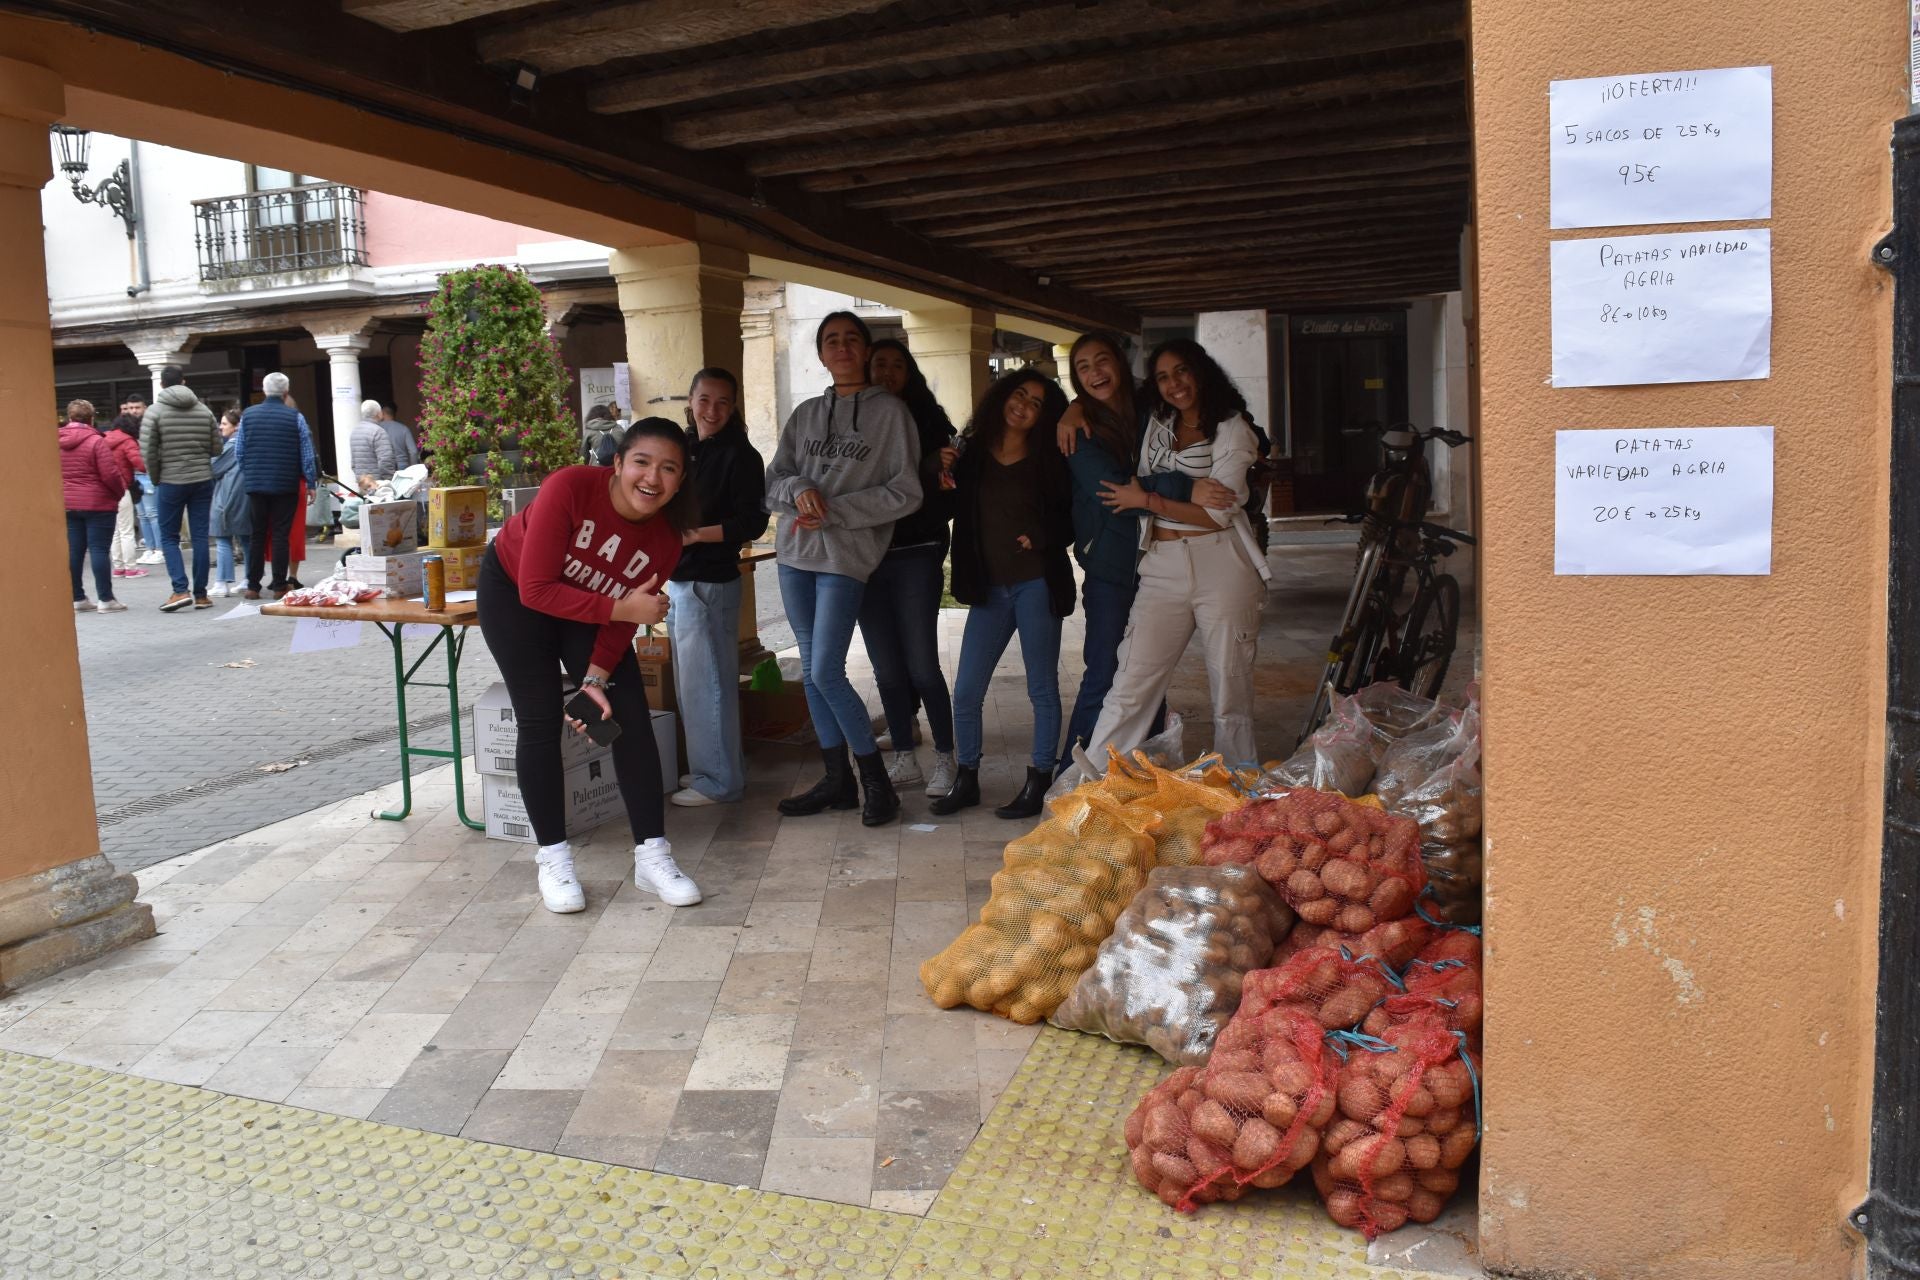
[1142, 1160]
[1243, 1091]
[1301, 886]
[1189, 1101]
[1319, 911]
[1420, 1103]
[1345, 879]
[1314, 856]
[1457, 1146]
[1306, 1145]
[1171, 1193]
[1319, 1107]
[1397, 1187]
[1346, 1007]
[1424, 1205]
[1175, 1169]
[1278, 1176]
[1387, 1216]
[1207, 1157]
[1276, 865]
[1211, 1121]
[1347, 1207]
[1328, 821]
[1391, 898]
[1165, 1128]
[1224, 1060]
[1354, 919]
[1443, 1121]
[1423, 1151]
[1279, 1110]
[1338, 1135]
[1257, 1145]
[1449, 1084]
[1341, 841]
[1442, 1182]
[1361, 1098]
[1289, 1075]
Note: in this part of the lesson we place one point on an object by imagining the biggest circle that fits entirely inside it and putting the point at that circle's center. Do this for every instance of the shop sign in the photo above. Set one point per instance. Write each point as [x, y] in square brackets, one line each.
[1349, 326]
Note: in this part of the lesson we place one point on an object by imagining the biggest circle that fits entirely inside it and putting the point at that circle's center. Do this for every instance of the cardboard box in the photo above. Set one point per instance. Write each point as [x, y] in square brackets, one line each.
[390, 528]
[592, 795]
[400, 575]
[463, 566]
[514, 501]
[654, 651]
[495, 735]
[773, 715]
[457, 517]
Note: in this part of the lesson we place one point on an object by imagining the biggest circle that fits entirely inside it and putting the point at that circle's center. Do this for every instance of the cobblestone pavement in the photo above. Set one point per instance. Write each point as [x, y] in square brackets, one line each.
[180, 738]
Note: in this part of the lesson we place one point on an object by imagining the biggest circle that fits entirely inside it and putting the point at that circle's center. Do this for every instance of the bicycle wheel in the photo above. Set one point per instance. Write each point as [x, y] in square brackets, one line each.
[1433, 625]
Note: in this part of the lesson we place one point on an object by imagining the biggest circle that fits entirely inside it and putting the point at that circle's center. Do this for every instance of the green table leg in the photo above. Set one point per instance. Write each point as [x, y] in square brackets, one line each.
[454, 640]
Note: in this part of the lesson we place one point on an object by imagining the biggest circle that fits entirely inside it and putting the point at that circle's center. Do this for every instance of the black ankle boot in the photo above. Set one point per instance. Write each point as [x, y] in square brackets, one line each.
[882, 804]
[835, 791]
[1032, 797]
[965, 793]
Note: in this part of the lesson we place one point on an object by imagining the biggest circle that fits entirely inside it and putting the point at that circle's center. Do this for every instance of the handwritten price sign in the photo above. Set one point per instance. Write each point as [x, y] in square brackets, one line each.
[1678, 146]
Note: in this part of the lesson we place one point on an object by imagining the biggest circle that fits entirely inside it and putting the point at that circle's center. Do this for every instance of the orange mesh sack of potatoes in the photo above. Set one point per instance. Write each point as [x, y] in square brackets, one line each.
[1408, 1104]
[1251, 1117]
[1393, 942]
[1169, 977]
[1337, 862]
[1187, 800]
[1054, 901]
[1444, 979]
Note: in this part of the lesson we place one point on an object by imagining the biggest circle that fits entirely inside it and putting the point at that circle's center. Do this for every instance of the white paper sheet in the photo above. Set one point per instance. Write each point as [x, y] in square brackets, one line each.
[1669, 146]
[239, 611]
[1693, 500]
[311, 635]
[1677, 307]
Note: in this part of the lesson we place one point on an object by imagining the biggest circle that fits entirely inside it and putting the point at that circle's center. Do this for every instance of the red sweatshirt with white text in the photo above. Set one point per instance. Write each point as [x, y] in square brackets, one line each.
[572, 554]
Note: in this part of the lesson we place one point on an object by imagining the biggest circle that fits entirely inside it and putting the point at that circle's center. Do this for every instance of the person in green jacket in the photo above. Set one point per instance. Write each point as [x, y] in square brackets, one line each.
[179, 438]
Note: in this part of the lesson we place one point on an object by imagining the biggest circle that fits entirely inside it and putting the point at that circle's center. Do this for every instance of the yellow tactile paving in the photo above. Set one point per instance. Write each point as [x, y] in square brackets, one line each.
[111, 1175]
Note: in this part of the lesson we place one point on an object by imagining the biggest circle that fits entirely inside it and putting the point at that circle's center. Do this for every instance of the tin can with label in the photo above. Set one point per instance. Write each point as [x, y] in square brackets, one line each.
[433, 572]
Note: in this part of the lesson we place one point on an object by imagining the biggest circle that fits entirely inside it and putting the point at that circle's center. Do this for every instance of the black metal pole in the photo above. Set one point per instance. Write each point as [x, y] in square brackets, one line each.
[1891, 1217]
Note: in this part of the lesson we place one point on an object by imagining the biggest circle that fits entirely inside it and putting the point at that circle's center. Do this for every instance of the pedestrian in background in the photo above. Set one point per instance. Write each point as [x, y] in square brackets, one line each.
[729, 486]
[231, 515]
[275, 456]
[406, 450]
[178, 438]
[92, 482]
[371, 448]
[123, 438]
[145, 509]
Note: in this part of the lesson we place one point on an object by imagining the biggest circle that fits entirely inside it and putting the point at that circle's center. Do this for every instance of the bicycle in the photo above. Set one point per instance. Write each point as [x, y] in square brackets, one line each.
[1376, 641]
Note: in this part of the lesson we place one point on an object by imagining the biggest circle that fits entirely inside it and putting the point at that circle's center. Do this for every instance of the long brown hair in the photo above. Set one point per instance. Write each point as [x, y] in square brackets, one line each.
[1115, 427]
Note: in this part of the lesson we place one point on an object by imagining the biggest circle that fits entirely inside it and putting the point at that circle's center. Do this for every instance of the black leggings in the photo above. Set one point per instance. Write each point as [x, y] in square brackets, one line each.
[530, 648]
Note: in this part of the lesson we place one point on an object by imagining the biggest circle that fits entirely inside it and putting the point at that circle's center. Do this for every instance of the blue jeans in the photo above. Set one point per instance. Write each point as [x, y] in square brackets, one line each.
[900, 621]
[705, 622]
[1107, 605]
[196, 499]
[89, 534]
[1024, 607]
[147, 512]
[822, 609]
[228, 557]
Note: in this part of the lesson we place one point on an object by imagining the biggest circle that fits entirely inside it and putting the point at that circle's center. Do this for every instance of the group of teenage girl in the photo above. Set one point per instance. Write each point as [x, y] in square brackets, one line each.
[872, 492]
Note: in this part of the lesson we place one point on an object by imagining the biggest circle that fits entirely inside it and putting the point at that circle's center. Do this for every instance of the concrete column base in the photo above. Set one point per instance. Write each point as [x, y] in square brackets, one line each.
[60, 917]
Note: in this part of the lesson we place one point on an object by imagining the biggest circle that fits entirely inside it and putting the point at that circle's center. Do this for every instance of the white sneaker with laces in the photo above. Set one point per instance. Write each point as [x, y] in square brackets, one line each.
[83, 606]
[686, 780]
[655, 869]
[559, 886]
[688, 798]
[903, 767]
[151, 557]
[946, 771]
[219, 589]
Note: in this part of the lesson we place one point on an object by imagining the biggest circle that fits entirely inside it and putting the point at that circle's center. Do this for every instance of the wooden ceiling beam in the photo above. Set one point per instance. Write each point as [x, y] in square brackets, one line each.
[1311, 86]
[1083, 217]
[1432, 22]
[1241, 294]
[638, 27]
[1363, 256]
[949, 36]
[1333, 173]
[1385, 293]
[1340, 276]
[1166, 164]
[418, 15]
[1384, 118]
[1382, 229]
[1092, 237]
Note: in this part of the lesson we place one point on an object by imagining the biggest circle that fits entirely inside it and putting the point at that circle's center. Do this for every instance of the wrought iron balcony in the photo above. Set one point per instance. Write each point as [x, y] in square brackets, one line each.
[317, 227]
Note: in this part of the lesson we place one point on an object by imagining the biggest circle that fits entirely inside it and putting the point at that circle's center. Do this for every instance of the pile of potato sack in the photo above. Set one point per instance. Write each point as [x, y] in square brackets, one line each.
[1300, 945]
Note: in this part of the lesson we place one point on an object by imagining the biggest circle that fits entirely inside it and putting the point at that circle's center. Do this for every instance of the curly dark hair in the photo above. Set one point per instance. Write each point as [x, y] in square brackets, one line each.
[989, 420]
[1220, 399]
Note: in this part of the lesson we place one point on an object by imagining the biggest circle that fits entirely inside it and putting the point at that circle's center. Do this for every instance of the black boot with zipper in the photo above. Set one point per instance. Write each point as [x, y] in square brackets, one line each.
[1032, 797]
[835, 791]
[882, 804]
[965, 793]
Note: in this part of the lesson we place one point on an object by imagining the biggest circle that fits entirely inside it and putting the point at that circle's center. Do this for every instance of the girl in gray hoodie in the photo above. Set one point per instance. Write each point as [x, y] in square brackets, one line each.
[847, 466]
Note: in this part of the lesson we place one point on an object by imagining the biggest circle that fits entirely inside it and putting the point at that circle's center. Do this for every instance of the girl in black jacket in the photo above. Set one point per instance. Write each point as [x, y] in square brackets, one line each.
[1011, 538]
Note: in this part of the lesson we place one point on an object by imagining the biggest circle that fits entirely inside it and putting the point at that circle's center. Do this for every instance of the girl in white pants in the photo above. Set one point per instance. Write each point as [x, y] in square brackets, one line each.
[1201, 568]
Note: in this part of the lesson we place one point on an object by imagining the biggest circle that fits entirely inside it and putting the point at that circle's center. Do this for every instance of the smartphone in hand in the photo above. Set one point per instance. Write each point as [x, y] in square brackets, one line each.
[587, 711]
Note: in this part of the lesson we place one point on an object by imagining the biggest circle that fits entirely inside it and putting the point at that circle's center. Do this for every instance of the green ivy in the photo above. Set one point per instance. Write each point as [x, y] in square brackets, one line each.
[491, 379]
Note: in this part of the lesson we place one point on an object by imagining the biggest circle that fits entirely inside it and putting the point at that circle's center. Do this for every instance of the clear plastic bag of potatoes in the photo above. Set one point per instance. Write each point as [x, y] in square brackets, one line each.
[1169, 976]
[1338, 757]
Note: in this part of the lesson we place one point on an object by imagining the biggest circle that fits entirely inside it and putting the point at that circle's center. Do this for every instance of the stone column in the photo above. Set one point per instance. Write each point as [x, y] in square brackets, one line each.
[158, 350]
[682, 304]
[343, 368]
[60, 901]
[1063, 366]
[951, 346]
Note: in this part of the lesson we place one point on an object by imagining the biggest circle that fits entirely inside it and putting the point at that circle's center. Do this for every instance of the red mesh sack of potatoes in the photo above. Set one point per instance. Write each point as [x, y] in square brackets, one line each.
[1444, 979]
[1337, 862]
[1251, 1117]
[1335, 989]
[1055, 898]
[1408, 1119]
[1393, 942]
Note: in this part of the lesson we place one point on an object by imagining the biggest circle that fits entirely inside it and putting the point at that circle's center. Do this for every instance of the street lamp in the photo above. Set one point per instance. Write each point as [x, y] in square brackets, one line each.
[114, 192]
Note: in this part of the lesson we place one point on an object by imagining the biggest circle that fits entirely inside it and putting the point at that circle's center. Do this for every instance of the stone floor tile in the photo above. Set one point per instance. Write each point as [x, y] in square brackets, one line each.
[232, 952]
[665, 1016]
[720, 1136]
[598, 984]
[923, 1135]
[779, 926]
[923, 928]
[858, 904]
[849, 955]
[534, 955]
[870, 855]
[434, 983]
[725, 899]
[480, 933]
[937, 875]
[441, 1088]
[162, 1009]
[280, 978]
[376, 1052]
[347, 863]
[101, 988]
[632, 1097]
[338, 927]
[202, 1045]
[494, 1015]
[932, 1051]
[838, 1169]
[559, 1051]
[797, 877]
[849, 1016]
[356, 1103]
[261, 880]
[324, 1014]
[830, 1093]
[110, 1057]
[742, 1051]
[629, 926]
[267, 1071]
[383, 954]
[529, 1118]
[699, 954]
[386, 881]
[432, 904]
[293, 904]
[762, 982]
[915, 1203]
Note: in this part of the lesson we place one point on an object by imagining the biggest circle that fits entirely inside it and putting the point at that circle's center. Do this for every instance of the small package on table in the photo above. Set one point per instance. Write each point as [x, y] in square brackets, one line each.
[457, 517]
[463, 566]
[389, 528]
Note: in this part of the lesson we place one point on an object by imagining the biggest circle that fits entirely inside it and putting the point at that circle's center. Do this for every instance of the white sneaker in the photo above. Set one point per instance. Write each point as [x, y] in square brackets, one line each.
[946, 771]
[688, 798]
[113, 606]
[559, 886]
[83, 606]
[686, 780]
[151, 557]
[219, 589]
[655, 869]
[904, 767]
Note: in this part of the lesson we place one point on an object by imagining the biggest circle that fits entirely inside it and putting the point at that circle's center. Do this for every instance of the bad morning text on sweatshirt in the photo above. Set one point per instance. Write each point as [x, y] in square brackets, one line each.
[862, 452]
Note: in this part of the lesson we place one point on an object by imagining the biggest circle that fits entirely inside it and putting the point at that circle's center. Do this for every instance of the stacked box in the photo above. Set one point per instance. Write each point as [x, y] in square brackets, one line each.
[463, 566]
[593, 797]
[390, 528]
[495, 736]
[457, 517]
[399, 575]
[514, 501]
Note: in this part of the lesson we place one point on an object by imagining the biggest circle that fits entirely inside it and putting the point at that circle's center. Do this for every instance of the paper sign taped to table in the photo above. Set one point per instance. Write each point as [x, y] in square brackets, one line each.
[311, 635]
[1693, 500]
[1669, 146]
[419, 630]
[1680, 307]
